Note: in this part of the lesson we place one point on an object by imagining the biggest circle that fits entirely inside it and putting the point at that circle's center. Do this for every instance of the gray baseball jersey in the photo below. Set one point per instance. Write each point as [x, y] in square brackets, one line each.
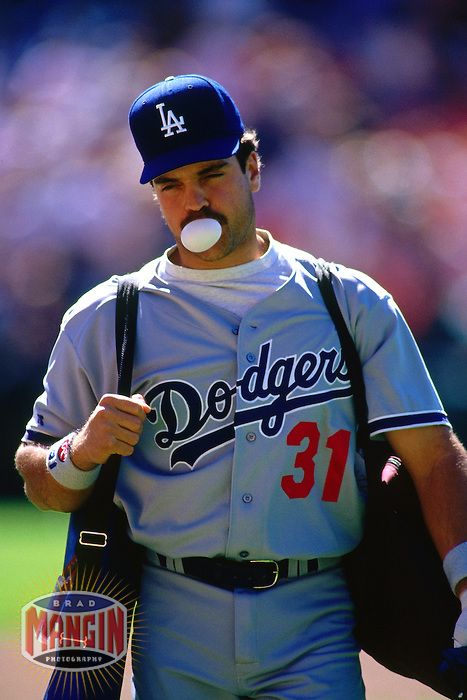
[249, 451]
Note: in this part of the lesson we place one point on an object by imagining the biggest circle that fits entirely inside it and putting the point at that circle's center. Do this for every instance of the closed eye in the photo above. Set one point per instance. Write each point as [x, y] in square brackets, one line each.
[166, 185]
[214, 170]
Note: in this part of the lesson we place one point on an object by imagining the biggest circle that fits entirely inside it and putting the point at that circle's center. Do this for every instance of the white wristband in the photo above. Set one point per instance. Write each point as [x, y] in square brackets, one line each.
[455, 564]
[63, 470]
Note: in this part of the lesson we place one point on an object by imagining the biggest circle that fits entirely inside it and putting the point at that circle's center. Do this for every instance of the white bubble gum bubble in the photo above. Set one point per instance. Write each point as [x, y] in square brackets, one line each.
[201, 234]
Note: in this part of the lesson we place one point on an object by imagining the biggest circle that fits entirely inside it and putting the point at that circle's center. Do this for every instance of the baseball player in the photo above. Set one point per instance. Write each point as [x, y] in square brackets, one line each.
[239, 474]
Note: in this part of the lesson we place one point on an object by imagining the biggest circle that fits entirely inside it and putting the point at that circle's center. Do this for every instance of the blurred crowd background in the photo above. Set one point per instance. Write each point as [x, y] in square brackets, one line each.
[361, 111]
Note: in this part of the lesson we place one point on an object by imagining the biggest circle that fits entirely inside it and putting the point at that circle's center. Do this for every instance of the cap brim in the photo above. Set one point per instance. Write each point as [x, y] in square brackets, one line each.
[211, 150]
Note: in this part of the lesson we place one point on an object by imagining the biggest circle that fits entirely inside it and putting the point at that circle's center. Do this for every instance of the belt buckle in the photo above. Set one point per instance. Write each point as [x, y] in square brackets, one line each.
[274, 572]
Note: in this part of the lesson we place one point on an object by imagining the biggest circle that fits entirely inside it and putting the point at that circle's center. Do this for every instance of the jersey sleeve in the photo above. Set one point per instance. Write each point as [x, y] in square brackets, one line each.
[82, 367]
[400, 391]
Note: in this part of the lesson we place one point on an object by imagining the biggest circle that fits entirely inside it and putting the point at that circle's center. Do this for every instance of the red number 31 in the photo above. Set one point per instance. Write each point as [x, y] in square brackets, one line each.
[338, 443]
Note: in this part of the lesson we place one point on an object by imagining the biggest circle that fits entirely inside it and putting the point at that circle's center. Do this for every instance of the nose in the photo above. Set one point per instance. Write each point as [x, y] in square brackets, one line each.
[195, 198]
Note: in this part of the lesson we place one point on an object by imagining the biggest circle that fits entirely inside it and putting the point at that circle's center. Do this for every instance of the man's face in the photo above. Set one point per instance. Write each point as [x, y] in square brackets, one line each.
[216, 189]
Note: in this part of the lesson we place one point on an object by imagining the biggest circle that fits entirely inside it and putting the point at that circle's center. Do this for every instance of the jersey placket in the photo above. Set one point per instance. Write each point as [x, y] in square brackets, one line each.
[244, 519]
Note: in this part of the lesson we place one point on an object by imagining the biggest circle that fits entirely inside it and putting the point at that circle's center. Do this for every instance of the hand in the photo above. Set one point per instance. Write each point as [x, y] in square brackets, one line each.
[460, 630]
[114, 427]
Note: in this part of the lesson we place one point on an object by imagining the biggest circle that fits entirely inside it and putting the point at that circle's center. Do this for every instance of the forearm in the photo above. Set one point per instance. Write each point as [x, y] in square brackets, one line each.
[443, 495]
[114, 427]
[437, 463]
[40, 486]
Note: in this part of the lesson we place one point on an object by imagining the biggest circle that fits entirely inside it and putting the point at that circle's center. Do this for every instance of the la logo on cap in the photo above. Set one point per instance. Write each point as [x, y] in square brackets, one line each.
[170, 121]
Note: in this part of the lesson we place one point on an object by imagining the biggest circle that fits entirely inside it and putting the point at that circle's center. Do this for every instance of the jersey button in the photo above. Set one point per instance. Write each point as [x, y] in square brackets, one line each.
[251, 437]
[244, 554]
[247, 498]
[250, 357]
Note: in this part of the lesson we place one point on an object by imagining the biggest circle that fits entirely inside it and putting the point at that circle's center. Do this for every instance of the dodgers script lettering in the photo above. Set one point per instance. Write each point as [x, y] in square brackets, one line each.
[265, 380]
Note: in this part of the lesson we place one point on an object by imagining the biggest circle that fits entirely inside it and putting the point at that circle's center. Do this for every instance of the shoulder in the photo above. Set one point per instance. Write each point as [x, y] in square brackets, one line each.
[348, 282]
[355, 288]
[368, 308]
[97, 305]
[95, 301]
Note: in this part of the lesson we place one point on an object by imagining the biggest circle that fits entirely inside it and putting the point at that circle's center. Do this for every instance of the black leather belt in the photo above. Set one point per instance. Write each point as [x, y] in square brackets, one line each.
[231, 574]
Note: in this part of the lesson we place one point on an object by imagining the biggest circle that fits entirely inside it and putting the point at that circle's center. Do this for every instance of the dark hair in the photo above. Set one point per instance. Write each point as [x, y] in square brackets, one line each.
[248, 144]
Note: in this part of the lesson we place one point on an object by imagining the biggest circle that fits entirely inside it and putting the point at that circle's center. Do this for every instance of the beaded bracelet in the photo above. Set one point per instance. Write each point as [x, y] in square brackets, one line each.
[61, 467]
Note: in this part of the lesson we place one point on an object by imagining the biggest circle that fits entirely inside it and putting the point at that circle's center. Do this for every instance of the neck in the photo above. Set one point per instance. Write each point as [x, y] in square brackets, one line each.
[252, 248]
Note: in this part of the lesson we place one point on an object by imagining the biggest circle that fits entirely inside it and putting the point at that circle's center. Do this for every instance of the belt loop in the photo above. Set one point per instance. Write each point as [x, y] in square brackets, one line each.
[302, 567]
[170, 564]
[292, 568]
[178, 566]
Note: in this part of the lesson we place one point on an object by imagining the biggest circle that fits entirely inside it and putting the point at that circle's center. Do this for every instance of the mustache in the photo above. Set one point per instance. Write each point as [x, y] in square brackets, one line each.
[205, 213]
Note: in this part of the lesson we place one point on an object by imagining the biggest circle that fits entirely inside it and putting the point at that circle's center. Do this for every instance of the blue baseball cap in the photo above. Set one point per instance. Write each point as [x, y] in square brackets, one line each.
[184, 119]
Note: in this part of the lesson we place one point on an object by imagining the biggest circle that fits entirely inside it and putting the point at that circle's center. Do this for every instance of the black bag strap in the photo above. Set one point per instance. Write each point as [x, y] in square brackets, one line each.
[101, 499]
[125, 331]
[352, 358]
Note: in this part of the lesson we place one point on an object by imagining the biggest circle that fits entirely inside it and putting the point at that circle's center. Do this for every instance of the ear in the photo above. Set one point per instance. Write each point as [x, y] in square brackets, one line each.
[252, 171]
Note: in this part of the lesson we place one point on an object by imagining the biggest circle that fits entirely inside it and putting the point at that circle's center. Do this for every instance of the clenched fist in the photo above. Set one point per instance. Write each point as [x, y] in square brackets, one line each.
[114, 427]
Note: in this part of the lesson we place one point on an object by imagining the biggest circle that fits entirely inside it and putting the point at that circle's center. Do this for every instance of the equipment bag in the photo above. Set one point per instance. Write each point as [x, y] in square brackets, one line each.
[100, 556]
[405, 609]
